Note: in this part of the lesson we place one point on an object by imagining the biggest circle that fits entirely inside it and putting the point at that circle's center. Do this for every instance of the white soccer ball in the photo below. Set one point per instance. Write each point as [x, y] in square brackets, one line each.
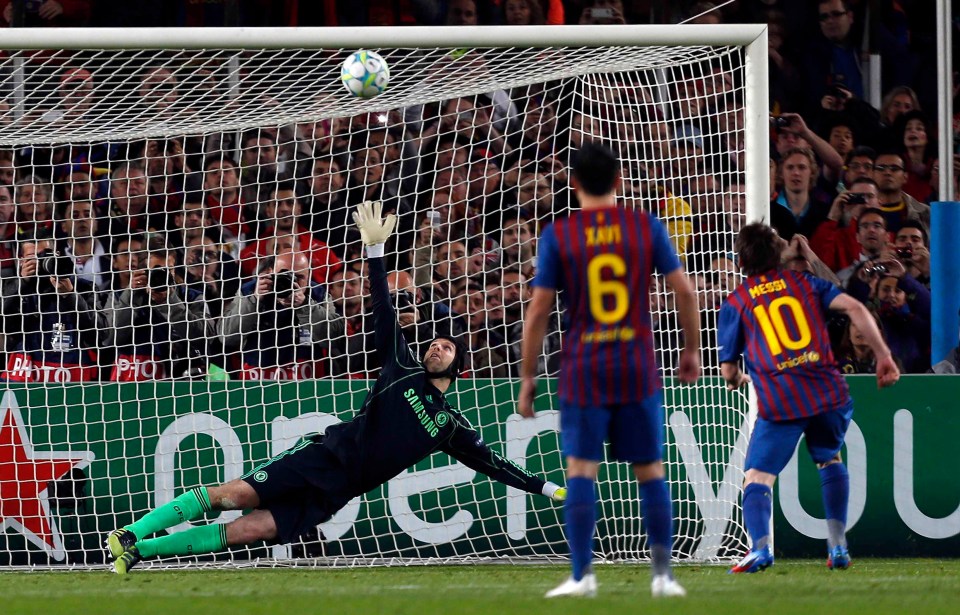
[365, 74]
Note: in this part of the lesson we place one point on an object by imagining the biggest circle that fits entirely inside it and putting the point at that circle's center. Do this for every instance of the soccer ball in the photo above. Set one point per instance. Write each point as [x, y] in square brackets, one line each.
[365, 74]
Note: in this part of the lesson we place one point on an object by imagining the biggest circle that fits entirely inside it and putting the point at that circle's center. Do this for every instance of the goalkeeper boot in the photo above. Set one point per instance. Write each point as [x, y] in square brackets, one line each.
[665, 586]
[586, 587]
[838, 558]
[127, 560]
[119, 541]
[754, 561]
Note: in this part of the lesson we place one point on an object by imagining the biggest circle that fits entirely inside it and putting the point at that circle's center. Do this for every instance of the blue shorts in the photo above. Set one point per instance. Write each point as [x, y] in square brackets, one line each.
[635, 431]
[773, 442]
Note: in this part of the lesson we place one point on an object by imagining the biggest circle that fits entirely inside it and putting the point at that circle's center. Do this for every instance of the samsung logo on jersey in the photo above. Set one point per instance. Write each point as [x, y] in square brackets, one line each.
[425, 420]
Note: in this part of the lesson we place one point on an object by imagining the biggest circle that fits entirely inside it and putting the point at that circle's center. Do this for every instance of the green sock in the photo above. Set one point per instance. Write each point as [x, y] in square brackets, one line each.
[185, 507]
[197, 540]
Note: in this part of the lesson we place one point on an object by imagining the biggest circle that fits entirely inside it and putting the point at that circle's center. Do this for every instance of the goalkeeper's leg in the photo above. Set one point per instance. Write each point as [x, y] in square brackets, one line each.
[257, 525]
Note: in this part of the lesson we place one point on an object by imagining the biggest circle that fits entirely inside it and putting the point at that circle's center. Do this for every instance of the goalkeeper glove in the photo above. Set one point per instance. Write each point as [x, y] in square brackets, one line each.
[373, 230]
[560, 495]
[555, 492]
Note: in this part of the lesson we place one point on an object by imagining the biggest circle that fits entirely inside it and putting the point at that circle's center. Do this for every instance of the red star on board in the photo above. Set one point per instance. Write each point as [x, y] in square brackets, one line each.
[24, 474]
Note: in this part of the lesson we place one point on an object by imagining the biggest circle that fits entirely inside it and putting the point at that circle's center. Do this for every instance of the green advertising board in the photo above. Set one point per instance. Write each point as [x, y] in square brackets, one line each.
[78, 460]
[904, 484]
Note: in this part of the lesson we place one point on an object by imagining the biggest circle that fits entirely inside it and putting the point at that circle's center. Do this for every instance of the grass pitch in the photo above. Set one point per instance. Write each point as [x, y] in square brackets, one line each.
[804, 587]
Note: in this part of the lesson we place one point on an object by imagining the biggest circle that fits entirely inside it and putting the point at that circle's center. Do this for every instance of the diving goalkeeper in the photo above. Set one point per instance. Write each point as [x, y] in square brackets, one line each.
[404, 418]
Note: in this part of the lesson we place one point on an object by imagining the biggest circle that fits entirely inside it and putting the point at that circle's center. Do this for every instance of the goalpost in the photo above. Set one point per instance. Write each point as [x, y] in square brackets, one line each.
[168, 151]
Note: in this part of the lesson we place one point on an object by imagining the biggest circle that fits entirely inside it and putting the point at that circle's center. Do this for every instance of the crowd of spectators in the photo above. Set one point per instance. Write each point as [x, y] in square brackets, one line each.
[199, 255]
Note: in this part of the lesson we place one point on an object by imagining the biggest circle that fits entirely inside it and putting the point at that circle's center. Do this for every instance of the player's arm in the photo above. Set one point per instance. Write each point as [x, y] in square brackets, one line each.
[538, 313]
[374, 231]
[534, 330]
[688, 308]
[731, 340]
[887, 371]
[467, 447]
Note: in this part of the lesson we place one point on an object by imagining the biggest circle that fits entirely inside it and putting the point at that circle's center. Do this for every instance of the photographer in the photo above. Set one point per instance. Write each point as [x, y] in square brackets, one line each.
[153, 332]
[835, 240]
[51, 331]
[281, 329]
[872, 237]
[211, 276]
[912, 248]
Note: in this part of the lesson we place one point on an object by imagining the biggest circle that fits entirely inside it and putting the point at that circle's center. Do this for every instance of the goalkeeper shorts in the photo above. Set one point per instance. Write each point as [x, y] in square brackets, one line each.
[302, 487]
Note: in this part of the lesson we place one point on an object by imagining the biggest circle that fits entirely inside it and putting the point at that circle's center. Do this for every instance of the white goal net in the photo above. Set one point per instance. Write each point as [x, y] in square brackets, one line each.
[184, 294]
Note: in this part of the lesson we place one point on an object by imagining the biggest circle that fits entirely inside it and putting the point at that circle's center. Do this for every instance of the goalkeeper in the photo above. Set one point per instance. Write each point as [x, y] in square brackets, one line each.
[404, 418]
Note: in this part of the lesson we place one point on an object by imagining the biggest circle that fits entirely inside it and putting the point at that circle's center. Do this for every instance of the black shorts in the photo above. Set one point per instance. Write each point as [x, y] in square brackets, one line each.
[302, 487]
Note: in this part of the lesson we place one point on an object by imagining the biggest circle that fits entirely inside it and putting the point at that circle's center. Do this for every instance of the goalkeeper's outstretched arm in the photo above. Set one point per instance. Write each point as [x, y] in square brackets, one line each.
[467, 447]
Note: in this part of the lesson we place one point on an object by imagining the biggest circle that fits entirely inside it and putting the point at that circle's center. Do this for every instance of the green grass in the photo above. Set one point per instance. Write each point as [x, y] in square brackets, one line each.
[803, 587]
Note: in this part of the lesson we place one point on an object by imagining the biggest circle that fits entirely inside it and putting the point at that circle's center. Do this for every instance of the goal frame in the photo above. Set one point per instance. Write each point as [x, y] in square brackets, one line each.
[751, 37]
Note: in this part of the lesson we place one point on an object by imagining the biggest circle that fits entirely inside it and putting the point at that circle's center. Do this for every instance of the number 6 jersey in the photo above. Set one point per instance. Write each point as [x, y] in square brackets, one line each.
[776, 321]
[602, 260]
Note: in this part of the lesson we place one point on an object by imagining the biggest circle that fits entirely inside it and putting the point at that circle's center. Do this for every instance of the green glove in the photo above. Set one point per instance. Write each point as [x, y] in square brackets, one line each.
[373, 230]
[560, 495]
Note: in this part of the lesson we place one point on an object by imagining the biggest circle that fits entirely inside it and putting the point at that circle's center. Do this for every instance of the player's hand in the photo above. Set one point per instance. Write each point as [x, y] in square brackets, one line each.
[740, 380]
[528, 391]
[689, 369]
[887, 372]
[373, 229]
[560, 495]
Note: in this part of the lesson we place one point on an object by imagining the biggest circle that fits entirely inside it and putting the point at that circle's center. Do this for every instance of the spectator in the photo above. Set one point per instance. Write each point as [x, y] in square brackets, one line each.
[898, 100]
[904, 308]
[603, 12]
[523, 13]
[166, 166]
[191, 221]
[890, 174]
[841, 137]
[857, 163]
[835, 240]
[449, 272]
[211, 277]
[51, 331]
[50, 13]
[33, 197]
[832, 58]
[798, 256]
[329, 218]
[462, 13]
[153, 332]
[912, 249]
[221, 184]
[872, 238]
[8, 232]
[7, 168]
[127, 207]
[283, 215]
[129, 255]
[918, 151]
[76, 98]
[798, 208]
[280, 329]
[517, 243]
[158, 94]
[486, 355]
[854, 355]
[803, 137]
[258, 163]
[90, 259]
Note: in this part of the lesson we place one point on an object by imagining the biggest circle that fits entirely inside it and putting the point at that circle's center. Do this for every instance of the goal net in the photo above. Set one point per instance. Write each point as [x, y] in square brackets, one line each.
[184, 295]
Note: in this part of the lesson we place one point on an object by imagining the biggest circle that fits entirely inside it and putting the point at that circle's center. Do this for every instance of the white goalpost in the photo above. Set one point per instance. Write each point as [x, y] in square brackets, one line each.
[172, 172]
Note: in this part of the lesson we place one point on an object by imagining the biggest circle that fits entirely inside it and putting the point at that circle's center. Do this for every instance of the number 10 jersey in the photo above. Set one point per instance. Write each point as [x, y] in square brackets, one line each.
[777, 322]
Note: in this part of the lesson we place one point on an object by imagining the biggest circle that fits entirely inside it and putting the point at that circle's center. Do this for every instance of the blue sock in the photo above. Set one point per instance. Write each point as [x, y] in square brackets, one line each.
[757, 508]
[581, 515]
[835, 484]
[657, 513]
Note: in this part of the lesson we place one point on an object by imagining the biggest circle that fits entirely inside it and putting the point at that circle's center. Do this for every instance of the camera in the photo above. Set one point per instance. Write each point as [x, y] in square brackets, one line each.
[159, 278]
[875, 270]
[856, 198]
[837, 91]
[779, 122]
[55, 265]
[403, 301]
[905, 253]
[601, 13]
[283, 284]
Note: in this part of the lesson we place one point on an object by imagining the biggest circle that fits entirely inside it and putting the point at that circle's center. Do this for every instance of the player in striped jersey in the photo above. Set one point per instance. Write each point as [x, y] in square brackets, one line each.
[602, 258]
[776, 320]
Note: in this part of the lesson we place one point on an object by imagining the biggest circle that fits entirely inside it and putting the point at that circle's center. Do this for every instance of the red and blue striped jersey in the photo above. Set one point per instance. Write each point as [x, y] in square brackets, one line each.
[601, 260]
[777, 322]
